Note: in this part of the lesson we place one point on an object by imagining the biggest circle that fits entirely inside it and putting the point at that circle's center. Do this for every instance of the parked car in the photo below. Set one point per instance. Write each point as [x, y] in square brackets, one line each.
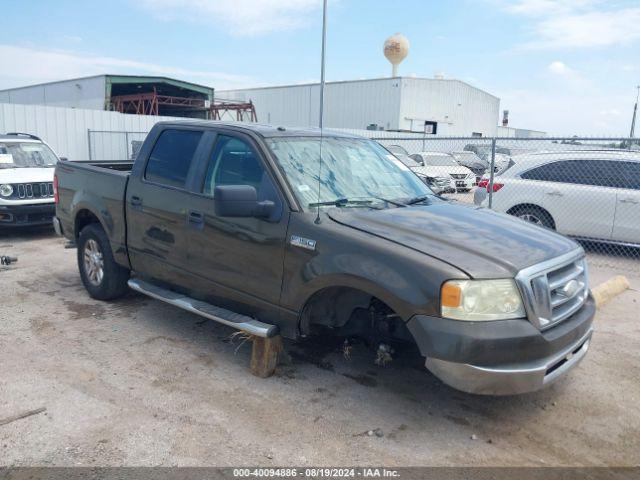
[237, 223]
[586, 194]
[439, 163]
[438, 182]
[472, 161]
[26, 181]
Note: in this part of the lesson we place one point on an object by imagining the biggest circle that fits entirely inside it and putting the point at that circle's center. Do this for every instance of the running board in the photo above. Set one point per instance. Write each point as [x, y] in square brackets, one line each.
[221, 315]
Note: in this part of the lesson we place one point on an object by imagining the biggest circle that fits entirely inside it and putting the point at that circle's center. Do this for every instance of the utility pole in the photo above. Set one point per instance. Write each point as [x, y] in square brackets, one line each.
[635, 112]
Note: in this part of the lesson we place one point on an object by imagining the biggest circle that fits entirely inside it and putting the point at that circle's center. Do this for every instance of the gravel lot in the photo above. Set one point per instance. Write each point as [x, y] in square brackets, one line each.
[137, 382]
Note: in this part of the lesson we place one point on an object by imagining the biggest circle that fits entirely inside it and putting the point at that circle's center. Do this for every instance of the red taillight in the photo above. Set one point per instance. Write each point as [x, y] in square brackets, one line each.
[56, 197]
[484, 183]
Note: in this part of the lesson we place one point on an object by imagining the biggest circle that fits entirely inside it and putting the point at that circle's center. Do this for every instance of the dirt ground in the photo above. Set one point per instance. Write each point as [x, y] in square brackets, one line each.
[137, 382]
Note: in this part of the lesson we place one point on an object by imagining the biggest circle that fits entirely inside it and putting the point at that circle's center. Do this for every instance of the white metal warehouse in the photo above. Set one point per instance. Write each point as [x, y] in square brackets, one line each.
[437, 105]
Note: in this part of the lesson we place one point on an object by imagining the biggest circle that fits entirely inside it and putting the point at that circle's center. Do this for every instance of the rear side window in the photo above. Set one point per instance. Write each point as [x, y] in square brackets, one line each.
[630, 175]
[599, 173]
[171, 157]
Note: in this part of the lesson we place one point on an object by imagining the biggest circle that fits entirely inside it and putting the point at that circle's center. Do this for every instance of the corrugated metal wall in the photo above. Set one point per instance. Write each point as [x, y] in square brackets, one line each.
[77, 93]
[66, 129]
[347, 104]
[391, 103]
[459, 108]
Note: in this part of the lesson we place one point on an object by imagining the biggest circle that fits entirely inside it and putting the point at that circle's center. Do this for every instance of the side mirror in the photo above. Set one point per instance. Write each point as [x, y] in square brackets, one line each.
[64, 159]
[240, 201]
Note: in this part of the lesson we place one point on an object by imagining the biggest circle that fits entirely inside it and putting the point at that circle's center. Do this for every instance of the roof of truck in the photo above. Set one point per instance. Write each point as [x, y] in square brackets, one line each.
[264, 130]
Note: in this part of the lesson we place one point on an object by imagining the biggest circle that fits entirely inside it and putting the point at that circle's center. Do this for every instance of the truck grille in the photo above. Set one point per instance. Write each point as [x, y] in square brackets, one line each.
[24, 191]
[554, 290]
[459, 176]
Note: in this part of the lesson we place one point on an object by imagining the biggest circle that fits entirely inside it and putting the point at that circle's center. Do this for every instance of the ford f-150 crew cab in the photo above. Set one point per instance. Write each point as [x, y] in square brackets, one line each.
[289, 232]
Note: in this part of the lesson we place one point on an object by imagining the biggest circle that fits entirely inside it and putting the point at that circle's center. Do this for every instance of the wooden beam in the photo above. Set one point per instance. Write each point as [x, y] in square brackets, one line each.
[264, 355]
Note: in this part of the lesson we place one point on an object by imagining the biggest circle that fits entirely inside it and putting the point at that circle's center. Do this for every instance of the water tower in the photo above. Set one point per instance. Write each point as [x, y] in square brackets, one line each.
[396, 48]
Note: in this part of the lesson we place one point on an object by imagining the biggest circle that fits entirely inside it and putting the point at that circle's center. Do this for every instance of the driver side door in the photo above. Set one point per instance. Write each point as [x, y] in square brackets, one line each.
[239, 259]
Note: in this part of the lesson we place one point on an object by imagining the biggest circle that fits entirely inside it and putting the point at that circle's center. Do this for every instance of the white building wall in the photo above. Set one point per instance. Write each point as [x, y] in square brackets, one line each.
[392, 103]
[347, 104]
[518, 132]
[459, 108]
[77, 93]
[66, 129]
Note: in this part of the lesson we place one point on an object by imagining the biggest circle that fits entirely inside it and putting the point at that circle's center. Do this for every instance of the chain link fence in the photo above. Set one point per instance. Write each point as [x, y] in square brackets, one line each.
[586, 188]
[114, 146]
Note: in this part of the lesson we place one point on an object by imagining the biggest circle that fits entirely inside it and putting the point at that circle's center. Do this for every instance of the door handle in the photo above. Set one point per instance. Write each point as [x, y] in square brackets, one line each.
[555, 193]
[629, 200]
[195, 219]
[136, 202]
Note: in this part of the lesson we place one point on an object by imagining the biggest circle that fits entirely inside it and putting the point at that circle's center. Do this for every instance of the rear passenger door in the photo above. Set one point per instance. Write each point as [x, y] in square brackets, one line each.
[240, 260]
[626, 226]
[578, 194]
[157, 203]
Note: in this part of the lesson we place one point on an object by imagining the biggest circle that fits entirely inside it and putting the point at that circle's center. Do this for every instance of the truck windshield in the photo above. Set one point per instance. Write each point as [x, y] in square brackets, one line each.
[352, 169]
[25, 155]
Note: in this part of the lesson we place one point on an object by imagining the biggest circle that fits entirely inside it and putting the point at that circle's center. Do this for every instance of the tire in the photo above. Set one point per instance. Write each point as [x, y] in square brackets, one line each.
[536, 215]
[101, 276]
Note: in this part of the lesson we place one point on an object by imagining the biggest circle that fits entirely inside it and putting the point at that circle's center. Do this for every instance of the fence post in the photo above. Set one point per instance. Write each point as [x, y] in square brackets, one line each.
[492, 168]
[89, 143]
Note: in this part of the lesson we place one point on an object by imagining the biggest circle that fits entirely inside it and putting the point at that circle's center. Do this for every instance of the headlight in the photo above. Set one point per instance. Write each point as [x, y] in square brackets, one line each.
[479, 300]
[471, 175]
[6, 190]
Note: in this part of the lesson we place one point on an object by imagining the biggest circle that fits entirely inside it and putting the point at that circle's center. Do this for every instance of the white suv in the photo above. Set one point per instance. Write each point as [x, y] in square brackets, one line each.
[440, 163]
[593, 195]
[26, 181]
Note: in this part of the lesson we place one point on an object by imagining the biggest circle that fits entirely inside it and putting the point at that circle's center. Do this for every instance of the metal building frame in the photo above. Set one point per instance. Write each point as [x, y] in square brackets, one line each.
[149, 103]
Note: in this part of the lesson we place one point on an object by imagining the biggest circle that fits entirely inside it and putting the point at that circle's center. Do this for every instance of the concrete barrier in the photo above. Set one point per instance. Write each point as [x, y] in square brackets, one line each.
[609, 289]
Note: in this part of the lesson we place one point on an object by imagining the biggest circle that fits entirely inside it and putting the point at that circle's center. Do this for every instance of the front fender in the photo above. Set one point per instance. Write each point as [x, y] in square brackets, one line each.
[405, 279]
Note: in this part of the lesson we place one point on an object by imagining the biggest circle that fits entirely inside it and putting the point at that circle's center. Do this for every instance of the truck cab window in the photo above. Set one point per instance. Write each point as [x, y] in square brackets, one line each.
[171, 157]
[235, 162]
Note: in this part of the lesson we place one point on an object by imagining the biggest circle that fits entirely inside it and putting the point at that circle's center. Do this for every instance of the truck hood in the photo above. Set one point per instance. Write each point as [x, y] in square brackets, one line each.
[478, 241]
[26, 175]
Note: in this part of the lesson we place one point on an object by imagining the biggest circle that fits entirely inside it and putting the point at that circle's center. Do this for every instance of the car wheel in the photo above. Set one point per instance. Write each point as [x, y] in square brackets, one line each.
[536, 215]
[102, 277]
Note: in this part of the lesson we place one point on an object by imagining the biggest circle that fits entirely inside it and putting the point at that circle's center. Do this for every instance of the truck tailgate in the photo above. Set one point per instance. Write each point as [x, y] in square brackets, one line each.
[87, 190]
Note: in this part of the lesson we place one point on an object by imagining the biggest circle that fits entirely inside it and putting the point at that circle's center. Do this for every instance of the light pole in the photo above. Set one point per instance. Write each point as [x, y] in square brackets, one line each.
[635, 112]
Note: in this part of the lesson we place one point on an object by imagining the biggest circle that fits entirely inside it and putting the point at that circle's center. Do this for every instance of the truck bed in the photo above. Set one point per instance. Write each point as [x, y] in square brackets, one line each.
[98, 189]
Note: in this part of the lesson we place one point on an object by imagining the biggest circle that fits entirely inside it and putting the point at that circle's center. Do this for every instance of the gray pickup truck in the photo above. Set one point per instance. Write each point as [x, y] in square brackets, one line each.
[286, 232]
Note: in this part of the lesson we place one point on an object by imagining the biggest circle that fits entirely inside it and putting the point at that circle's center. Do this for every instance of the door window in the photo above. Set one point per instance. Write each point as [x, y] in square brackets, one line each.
[172, 156]
[599, 173]
[235, 162]
[629, 175]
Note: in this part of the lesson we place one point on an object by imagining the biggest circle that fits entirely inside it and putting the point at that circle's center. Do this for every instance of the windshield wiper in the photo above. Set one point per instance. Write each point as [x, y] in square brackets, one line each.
[392, 202]
[341, 202]
[419, 199]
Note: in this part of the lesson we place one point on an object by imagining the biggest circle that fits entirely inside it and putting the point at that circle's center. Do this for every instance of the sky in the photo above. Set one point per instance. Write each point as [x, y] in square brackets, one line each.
[564, 67]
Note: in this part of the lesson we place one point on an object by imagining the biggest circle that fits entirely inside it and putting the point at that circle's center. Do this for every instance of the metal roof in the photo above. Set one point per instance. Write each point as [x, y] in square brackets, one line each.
[116, 79]
[363, 80]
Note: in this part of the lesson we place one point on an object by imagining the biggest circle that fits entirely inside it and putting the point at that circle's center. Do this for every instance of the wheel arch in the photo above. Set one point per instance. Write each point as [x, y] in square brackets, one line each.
[521, 206]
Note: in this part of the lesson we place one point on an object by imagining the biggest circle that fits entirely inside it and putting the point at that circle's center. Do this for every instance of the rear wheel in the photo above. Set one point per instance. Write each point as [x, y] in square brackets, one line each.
[102, 277]
[536, 215]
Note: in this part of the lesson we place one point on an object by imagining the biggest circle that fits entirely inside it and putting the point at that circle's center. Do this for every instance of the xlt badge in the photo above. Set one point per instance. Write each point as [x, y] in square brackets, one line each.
[302, 242]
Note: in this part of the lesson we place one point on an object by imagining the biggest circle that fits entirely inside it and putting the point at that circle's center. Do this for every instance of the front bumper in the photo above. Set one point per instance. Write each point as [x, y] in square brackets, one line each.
[503, 357]
[26, 215]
